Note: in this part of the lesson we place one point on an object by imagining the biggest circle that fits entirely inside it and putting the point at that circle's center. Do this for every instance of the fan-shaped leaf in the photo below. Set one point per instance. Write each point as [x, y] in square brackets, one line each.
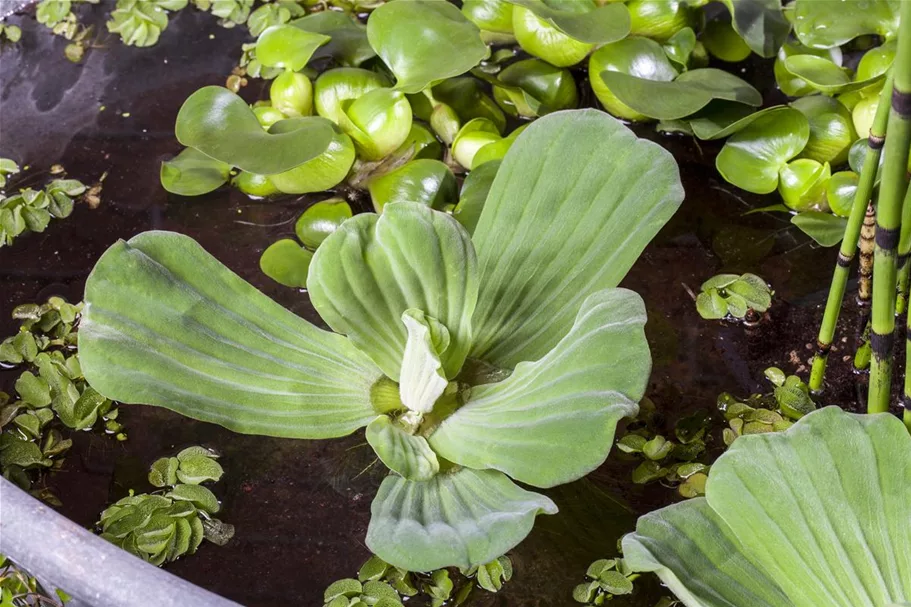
[461, 518]
[166, 324]
[593, 195]
[374, 268]
[553, 421]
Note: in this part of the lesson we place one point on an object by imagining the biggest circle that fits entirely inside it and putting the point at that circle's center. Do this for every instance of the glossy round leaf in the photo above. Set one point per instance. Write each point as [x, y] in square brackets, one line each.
[535, 88]
[474, 192]
[427, 182]
[581, 20]
[761, 24]
[320, 220]
[287, 263]
[489, 15]
[347, 37]
[723, 42]
[424, 41]
[192, 173]
[802, 184]
[752, 157]
[334, 87]
[831, 129]
[824, 75]
[826, 229]
[825, 25]
[287, 47]
[659, 20]
[638, 57]
[378, 121]
[219, 124]
[321, 173]
[840, 191]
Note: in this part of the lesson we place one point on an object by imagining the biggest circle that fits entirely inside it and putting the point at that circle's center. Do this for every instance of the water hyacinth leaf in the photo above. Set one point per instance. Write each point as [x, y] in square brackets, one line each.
[220, 125]
[192, 173]
[534, 88]
[406, 455]
[752, 157]
[802, 184]
[831, 129]
[823, 75]
[321, 173]
[348, 37]
[592, 378]
[613, 192]
[475, 189]
[820, 511]
[288, 47]
[722, 41]
[321, 219]
[826, 229]
[639, 57]
[489, 15]
[427, 182]
[374, 268]
[424, 41]
[817, 25]
[689, 93]
[583, 21]
[463, 517]
[840, 191]
[761, 24]
[166, 324]
[287, 263]
[680, 46]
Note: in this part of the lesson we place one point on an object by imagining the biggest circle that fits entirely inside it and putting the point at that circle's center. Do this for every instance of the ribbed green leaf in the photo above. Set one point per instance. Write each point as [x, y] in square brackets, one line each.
[462, 518]
[573, 205]
[698, 558]
[553, 421]
[403, 453]
[822, 509]
[373, 268]
[166, 324]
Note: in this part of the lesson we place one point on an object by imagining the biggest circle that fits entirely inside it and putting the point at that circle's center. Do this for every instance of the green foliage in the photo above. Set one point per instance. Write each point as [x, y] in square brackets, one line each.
[437, 310]
[607, 578]
[140, 22]
[19, 589]
[32, 210]
[379, 583]
[11, 33]
[732, 295]
[7, 167]
[163, 526]
[787, 515]
[52, 394]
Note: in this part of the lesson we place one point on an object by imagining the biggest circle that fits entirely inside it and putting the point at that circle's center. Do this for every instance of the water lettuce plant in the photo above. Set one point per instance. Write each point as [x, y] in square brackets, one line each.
[472, 360]
[815, 515]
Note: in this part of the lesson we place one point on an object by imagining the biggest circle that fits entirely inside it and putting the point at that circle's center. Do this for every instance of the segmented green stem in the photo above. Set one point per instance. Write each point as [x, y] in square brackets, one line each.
[846, 254]
[892, 192]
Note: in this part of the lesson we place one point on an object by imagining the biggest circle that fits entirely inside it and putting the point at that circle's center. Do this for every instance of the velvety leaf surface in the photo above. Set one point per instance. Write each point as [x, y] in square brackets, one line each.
[404, 454]
[699, 559]
[822, 509]
[424, 41]
[374, 268]
[460, 518]
[553, 420]
[591, 196]
[826, 24]
[752, 157]
[222, 126]
[599, 25]
[192, 173]
[166, 324]
[761, 24]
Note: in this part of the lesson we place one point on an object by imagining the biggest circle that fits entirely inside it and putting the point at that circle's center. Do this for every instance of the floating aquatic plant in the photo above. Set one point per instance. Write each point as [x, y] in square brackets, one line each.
[813, 515]
[486, 361]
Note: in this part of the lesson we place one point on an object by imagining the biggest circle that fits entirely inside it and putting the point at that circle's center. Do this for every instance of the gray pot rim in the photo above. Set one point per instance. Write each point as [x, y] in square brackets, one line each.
[93, 571]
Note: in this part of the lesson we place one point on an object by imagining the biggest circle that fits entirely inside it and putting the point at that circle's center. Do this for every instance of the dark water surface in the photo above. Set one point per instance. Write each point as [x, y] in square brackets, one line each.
[301, 507]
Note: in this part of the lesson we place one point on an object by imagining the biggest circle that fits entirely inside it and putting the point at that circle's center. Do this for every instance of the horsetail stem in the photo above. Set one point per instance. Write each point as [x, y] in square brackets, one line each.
[861, 208]
[892, 192]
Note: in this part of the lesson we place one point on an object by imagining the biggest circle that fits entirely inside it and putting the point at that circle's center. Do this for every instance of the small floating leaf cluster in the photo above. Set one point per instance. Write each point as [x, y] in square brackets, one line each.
[380, 584]
[32, 210]
[607, 578]
[161, 527]
[20, 589]
[733, 295]
[51, 393]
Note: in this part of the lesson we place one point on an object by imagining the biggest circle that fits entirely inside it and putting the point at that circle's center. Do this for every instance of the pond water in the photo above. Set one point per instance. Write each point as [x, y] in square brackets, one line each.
[301, 507]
